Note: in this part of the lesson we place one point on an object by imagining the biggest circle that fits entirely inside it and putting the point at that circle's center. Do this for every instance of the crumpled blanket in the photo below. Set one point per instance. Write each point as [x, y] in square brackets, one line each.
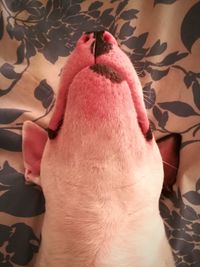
[161, 38]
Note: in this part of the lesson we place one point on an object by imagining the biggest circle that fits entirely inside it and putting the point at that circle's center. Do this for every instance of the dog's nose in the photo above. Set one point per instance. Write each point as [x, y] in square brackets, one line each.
[105, 36]
[102, 42]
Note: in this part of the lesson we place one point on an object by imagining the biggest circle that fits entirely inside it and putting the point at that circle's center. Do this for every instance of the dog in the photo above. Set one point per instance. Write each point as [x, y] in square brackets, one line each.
[98, 165]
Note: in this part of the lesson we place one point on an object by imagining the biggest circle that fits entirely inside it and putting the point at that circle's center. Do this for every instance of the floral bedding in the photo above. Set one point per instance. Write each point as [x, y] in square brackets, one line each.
[162, 39]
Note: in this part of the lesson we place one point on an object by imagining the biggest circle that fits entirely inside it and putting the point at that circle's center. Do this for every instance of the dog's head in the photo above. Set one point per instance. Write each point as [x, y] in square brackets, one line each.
[99, 133]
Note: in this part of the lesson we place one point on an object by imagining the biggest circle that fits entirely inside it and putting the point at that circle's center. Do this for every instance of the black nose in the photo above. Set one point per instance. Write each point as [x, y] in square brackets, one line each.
[102, 44]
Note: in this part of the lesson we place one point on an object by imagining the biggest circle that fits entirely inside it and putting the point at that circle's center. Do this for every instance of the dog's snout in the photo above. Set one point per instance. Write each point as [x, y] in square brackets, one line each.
[102, 42]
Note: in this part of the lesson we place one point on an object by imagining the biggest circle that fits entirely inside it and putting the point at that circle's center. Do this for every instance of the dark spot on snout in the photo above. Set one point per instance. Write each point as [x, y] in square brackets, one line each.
[101, 46]
[107, 72]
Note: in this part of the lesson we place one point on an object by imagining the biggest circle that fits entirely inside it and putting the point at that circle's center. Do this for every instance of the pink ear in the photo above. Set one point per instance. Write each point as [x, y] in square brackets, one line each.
[34, 140]
[169, 147]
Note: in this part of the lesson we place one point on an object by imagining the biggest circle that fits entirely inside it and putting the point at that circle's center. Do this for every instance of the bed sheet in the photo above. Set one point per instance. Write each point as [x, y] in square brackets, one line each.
[162, 39]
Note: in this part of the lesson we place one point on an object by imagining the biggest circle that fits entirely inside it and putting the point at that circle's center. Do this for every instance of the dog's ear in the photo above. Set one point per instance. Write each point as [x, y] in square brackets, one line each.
[34, 140]
[169, 147]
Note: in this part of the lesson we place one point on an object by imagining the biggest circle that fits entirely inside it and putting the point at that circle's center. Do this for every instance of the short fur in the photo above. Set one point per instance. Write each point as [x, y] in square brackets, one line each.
[100, 176]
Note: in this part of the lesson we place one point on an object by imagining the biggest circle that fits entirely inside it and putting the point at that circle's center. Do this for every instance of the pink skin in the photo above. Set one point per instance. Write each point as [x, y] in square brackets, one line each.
[100, 177]
[121, 63]
[83, 57]
[115, 59]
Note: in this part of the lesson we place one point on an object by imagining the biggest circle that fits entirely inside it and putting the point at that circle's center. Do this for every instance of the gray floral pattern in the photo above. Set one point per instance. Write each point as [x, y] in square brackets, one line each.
[35, 38]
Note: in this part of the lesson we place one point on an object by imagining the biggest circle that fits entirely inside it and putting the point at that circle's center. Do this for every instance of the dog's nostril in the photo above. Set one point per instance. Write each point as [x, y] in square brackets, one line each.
[86, 38]
[107, 37]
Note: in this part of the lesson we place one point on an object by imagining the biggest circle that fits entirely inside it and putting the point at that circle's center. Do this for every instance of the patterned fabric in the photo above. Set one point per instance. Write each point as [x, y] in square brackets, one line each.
[162, 39]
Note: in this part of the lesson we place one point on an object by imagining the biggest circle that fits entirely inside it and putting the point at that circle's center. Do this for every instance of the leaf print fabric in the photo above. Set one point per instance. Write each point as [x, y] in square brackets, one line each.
[162, 39]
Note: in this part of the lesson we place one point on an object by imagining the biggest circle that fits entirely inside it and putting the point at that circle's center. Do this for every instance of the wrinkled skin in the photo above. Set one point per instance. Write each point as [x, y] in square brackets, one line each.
[101, 173]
